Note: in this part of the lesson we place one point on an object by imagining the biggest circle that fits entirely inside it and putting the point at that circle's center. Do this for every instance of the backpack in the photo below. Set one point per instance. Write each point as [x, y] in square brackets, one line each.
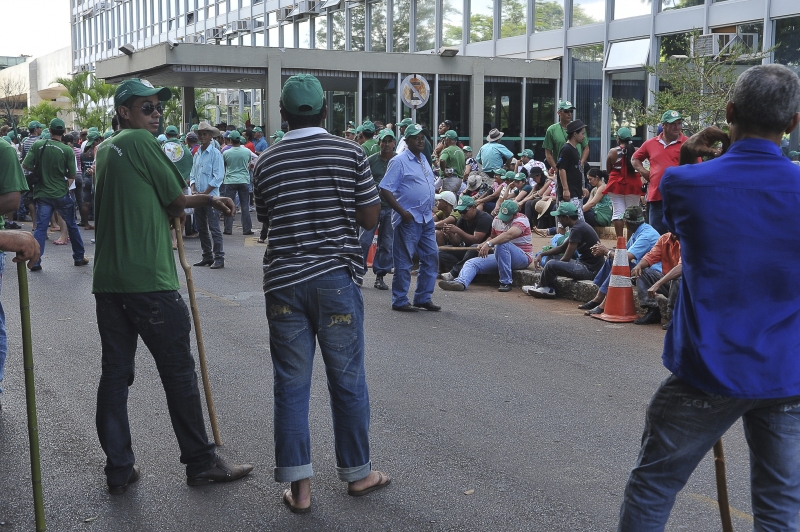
[35, 177]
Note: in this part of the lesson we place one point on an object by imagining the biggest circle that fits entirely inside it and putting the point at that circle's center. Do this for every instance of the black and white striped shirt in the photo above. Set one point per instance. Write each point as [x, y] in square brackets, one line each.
[307, 188]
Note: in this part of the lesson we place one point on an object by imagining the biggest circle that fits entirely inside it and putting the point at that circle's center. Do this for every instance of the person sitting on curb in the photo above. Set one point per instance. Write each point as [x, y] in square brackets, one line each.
[511, 241]
[444, 210]
[471, 229]
[581, 240]
[489, 199]
[642, 238]
[653, 274]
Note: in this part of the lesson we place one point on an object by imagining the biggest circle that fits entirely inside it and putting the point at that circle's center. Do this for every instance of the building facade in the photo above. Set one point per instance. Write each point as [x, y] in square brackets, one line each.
[601, 45]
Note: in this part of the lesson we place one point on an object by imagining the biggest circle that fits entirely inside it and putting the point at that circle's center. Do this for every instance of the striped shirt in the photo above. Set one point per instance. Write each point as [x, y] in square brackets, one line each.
[26, 146]
[523, 241]
[307, 188]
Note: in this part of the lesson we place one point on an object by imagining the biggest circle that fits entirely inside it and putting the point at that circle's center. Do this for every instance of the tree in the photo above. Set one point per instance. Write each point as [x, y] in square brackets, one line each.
[43, 112]
[13, 93]
[480, 28]
[451, 23]
[512, 17]
[550, 16]
[77, 93]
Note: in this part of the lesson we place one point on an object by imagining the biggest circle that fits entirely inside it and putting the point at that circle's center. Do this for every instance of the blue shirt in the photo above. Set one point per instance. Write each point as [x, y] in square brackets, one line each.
[641, 241]
[491, 156]
[736, 325]
[411, 181]
[208, 169]
[261, 145]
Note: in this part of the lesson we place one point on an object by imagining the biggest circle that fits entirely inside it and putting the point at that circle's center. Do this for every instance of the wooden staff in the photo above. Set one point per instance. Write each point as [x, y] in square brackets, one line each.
[722, 488]
[212, 414]
[30, 397]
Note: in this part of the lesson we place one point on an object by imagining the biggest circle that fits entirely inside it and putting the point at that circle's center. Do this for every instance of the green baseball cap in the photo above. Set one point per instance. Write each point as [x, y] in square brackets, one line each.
[624, 133]
[108, 132]
[368, 126]
[302, 95]
[277, 135]
[520, 177]
[234, 135]
[405, 122]
[92, 129]
[413, 129]
[194, 127]
[449, 134]
[468, 148]
[633, 215]
[670, 117]
[500, 172]
[258, 130]
[565, 208]
[526, 153]
[134, 87]
[386, 133]
[464, 203]
[351, 130]
[33, 124]
[7, 139]
[565, 105]
[92, 136]
[45, 135]
[507, 210]
[359, 129]
[172, 130]
[509, 175]
[57, 124]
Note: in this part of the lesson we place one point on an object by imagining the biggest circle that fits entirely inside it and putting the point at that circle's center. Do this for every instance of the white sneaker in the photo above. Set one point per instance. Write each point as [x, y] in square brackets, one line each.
[544, 292]
[526, 289]
[447, 276]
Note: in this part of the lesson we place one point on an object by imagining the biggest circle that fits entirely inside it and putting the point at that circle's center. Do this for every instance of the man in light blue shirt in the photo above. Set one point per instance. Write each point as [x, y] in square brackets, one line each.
[208, 171]
[407, 187]
[260, 143]
[493, 155]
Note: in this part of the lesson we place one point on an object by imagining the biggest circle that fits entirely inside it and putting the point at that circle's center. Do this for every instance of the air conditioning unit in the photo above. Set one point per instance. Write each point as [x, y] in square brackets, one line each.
[83, 68]
[99, 7]
[243, 25]
[214, 33]
[229, 29]
[87, 14]
[715, 44]
[302, 8]
[283, 13]
[195, 39]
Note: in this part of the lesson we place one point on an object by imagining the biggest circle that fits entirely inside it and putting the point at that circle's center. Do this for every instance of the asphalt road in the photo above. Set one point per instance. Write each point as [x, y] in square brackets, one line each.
[499, 413]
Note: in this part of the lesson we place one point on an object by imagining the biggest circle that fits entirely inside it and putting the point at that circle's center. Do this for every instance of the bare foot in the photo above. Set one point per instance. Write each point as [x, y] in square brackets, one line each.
[298, 497]
[374, 481]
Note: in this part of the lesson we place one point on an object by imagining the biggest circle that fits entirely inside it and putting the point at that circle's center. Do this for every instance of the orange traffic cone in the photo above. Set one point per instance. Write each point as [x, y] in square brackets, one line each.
[619, 306]
[372, 250]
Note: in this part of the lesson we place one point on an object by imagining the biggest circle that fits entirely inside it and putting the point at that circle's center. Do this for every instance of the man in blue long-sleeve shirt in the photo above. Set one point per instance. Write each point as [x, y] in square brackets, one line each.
[208, 171]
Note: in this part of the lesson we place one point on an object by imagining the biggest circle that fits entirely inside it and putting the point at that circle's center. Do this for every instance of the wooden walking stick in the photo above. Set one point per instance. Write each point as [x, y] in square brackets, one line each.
[722, 488]
[212, 414]
[30, 397]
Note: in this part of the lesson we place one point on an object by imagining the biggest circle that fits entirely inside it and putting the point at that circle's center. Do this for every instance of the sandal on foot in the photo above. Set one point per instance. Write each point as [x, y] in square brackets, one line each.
[595, 310]
[383, 481]
[288, 501]
[59, 243]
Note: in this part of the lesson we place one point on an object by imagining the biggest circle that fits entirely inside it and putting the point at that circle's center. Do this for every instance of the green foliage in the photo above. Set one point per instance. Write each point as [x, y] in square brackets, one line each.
[42, 112]
[204, 102]
[451, 23]
[91, 100]
[480, 28]
[512, 17]
[787, 47]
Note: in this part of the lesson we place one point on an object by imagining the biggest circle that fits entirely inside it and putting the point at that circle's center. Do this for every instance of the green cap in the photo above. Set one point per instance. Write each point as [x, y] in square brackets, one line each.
[464, 203]
[563, 106]
[359, 129]
[45, 135]
[92, 129]
[500, 172]
[134, 87]
[413, 129]
[565, 208]
[633, 215]
[509, 175]
[108, 132]
[624, 133]
[368, 126]
[172, 130]
[7, 139]
[386, 133]
[33, 124]
[670, 117]
[405, 122]
[351, 130]
[92, 136]
[57, 124]
[507, 210]
[520, 177]
[302, 95]
[468, 148]
[526, 153]
[234, 135]
[277, 135]
[258, 130]
[449, 134]
[194, 127]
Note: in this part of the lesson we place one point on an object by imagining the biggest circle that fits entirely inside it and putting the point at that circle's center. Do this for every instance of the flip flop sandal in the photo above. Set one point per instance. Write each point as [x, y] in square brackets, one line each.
[595, 310]
[59, 243]
[374, 487]
[287, 494]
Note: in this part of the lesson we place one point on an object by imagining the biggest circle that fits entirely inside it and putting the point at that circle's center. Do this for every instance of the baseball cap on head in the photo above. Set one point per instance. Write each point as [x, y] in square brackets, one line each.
[565, 208]
[385, 134]
[368, 126]
[302, 95]
[447, 196]
[509, 175]
[359, 129]
[633, 215]
[57, 124]
[413, 129]
[565, 106]
[624, 133]
[33, 124]
[520, 177]
[449, 134]
[92, 136]
[405, 122]
[468, 149]
[352, 131]
[235, 136]
[277, 135]
[192, 136]
[507, 210]
[670, 117]
[134, 87]
[171, 130]
[465, 202]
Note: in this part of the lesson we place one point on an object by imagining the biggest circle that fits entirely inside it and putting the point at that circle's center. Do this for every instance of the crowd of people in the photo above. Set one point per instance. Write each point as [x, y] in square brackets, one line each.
[458, 214]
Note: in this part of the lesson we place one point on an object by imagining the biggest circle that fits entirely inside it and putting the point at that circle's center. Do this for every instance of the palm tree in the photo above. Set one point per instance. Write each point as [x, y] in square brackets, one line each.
[76, 92]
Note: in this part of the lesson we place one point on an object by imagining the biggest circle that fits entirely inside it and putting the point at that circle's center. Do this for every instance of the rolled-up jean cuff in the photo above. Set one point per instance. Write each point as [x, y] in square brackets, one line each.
[294, 473]
[351, 474]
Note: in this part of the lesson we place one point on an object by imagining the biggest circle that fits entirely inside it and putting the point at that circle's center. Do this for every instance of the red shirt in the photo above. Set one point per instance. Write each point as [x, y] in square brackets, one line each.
[661, 157]
[666, 251]
[250, 146]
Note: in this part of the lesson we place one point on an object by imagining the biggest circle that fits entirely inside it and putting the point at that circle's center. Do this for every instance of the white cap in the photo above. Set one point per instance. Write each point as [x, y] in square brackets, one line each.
[448, 196]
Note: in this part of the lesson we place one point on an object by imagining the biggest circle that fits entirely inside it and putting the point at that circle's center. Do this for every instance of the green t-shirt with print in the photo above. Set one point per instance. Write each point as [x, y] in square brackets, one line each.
[237, 160]
[11, 177]
[453, 157]
[180, 155]
[57, 161]
[371, 147]
[556, 137]
[135, 182]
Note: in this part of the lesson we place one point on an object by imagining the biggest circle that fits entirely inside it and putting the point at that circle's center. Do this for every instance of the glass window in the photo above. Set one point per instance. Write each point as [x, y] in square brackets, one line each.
[377, 41]
[401, 29]
[452, 20]
[273, 36]
[426, 24]
[586, 12]
[548, 15]
[540, 102]
[454, 105]
[679, 4]
[587, 79]
[201, 14]
[379, 96]
[358, 14]
[288, 35]
[628, 54]
[787, 42]
[512, 18]
[481, 20]
[245, 3]
[343, 109]
[272, 18]
[675, 44]
[321, 32]
[628, 86]
[304, 33]
[337, 30]
[259, 38]
[631, 8]
[502, 109]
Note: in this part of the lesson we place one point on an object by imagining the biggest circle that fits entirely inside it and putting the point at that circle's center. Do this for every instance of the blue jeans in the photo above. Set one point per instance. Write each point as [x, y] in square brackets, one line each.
[655, 213]
[208, 227]
[3, 335]
[506, 257]
[161, 319]
[412, 238]
[382, 264]
[243, 191]
[66, 208]
[682, 425]
[330, 310]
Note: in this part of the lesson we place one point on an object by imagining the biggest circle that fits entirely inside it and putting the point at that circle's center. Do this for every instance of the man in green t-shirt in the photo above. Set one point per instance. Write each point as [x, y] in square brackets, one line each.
[138, 191]
[383, 261]
[556, 137]
[237, 182]
[369, 145]
[12, 182]
[55, 162]
[451, 162]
